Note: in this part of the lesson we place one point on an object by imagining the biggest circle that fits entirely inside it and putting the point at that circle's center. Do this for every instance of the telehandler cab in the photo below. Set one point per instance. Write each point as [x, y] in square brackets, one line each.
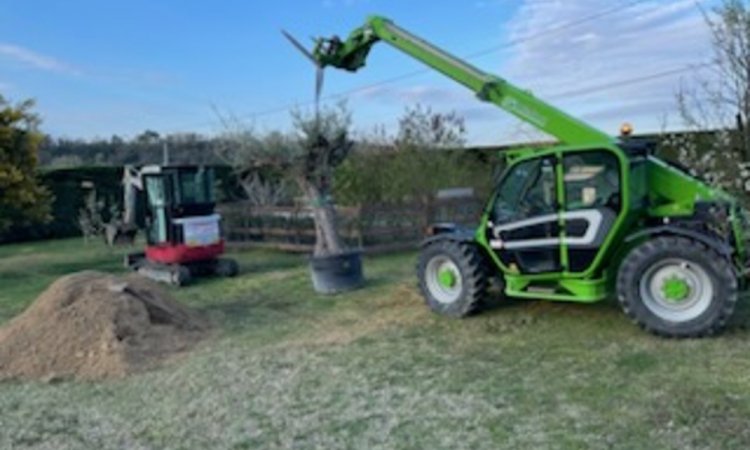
[579, 221]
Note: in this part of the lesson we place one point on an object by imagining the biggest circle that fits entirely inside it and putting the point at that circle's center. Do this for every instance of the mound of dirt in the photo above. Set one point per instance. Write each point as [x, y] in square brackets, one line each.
[92, 326]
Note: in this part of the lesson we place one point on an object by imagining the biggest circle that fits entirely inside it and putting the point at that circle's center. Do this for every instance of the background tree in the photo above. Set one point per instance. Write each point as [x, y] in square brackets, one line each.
[144, 149]
[258, 161]
[90, 216]
[23, 201]
[430, 145]
[420, 128]
[716, 107]
[426, 154]
[307, 156]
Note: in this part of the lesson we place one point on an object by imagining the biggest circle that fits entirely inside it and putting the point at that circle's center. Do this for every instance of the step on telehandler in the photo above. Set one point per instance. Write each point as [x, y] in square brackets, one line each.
[580, 221]
[181, 226]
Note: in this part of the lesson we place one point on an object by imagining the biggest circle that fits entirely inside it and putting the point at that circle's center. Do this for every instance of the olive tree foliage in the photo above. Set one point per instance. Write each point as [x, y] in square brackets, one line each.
[91, 216]
[307, 156]
[720, 102]
[23, 200]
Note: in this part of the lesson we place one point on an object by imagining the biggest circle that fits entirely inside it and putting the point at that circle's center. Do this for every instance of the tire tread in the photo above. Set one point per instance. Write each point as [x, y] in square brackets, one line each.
[632, 265]
[473, 266]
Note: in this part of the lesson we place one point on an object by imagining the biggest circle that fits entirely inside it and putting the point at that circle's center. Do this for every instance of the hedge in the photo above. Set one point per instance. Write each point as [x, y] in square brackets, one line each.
[69, 188]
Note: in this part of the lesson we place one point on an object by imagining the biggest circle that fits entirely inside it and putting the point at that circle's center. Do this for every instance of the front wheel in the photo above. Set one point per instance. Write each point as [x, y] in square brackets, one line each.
[452, 277]
[677, 287]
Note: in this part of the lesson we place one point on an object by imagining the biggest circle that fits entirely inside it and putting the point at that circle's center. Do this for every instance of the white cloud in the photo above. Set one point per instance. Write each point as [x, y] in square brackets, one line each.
[36, 60]
[586, 69]
[651, 37]
[413, 94]
[442, 96]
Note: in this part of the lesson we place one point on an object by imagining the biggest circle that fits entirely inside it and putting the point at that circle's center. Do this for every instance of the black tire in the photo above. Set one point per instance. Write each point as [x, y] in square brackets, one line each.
[226, 268]
[702, 311]
[471, 267]
[181, 276]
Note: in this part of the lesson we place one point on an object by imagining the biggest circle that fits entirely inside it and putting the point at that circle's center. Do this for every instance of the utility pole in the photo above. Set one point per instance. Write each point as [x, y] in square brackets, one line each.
[165, 153]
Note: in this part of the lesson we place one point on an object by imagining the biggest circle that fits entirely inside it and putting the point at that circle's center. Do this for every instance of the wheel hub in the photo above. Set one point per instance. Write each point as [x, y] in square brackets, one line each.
[676, 289]
[443, 279]
[447, 278]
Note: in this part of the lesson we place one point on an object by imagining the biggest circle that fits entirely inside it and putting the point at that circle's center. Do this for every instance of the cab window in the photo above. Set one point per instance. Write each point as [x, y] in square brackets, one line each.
[527, 190]
[592, 181]
[195, 187]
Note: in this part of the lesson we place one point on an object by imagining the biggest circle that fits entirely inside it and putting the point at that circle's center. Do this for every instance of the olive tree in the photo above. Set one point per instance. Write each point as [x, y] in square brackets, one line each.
[307, 156]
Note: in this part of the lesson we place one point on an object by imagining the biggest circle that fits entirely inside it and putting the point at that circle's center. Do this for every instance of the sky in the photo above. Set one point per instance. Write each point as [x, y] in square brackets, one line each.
[99, 68]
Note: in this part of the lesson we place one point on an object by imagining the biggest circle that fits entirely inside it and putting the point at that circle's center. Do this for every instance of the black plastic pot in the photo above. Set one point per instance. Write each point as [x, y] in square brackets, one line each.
[334, 274]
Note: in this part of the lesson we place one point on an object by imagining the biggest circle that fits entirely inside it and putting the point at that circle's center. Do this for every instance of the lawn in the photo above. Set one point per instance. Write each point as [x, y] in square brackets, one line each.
[376, 369]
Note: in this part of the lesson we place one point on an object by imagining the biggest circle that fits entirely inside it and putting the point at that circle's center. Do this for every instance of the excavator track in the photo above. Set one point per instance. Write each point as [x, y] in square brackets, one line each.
[180, 274]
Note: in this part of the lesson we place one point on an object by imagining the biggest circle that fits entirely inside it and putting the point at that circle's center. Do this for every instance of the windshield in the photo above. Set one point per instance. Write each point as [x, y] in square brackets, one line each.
[528, 189]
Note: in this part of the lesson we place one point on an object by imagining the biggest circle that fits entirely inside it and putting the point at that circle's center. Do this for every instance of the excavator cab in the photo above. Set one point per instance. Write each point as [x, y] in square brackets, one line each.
[174, 194]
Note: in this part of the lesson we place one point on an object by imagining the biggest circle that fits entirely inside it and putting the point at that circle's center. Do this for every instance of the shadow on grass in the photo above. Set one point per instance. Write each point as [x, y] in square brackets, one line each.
[103, 263]
[242, 314]
[257, 267]
[496, 303]
[375, 282]
[231, 316]
[16, 277]
[740, 322]
[604, 310]
[261, 264]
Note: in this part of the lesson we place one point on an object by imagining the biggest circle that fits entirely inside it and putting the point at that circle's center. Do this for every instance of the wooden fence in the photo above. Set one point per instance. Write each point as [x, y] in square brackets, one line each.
[372, 228]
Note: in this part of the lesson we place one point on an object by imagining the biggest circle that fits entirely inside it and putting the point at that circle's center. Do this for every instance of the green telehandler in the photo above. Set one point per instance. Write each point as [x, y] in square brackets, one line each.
[580, 221]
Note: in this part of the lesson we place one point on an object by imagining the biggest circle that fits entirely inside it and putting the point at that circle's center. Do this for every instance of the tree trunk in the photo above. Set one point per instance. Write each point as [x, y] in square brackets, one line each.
[745, 132]
[327, 239]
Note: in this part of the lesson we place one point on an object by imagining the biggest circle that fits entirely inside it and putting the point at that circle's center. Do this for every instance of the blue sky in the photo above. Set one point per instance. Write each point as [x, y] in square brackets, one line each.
[98, 68]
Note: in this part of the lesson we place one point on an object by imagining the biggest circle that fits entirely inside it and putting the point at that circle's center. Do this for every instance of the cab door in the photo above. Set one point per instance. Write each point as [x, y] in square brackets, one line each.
[592, 203]
[524, 229]
[158, 198]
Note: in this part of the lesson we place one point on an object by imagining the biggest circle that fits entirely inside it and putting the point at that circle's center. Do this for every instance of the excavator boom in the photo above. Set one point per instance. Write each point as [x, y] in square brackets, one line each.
[351, 55]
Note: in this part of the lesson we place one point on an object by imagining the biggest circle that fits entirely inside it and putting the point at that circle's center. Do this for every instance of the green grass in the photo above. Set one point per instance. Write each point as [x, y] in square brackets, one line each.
[376, 369]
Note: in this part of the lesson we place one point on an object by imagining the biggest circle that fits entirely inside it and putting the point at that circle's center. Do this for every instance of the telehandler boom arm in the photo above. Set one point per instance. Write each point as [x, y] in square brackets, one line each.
[352, 54]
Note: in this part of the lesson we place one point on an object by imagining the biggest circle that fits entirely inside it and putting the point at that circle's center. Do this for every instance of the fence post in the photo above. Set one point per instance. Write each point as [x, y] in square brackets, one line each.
[358, 227]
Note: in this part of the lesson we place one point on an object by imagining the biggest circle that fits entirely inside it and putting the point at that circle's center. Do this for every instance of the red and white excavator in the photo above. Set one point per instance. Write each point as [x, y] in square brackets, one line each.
[181, 225]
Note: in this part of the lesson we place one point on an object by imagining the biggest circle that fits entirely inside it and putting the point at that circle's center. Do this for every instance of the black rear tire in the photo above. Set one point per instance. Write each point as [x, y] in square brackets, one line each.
[463, 292]
[704, 300]
[226, 268]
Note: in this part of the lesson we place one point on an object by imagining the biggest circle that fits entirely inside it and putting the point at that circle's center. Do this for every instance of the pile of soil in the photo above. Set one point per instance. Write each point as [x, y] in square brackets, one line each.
[92, 325]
